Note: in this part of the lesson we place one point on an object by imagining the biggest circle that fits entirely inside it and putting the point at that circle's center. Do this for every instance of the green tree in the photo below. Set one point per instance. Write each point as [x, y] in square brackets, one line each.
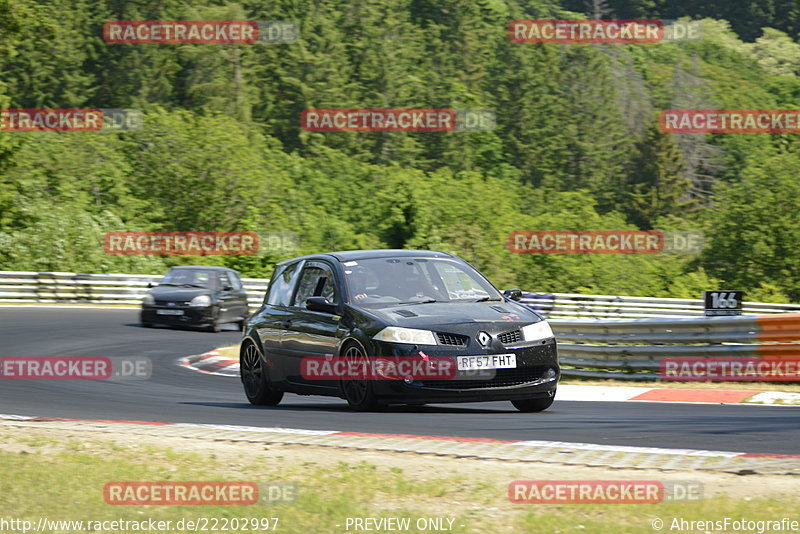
[754, 233]
[658, 186]
[181, 169]
[776, 53]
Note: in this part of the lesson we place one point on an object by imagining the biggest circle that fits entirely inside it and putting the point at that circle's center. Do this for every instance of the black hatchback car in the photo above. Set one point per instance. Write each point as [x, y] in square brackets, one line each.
[197, 296]
[385, 305]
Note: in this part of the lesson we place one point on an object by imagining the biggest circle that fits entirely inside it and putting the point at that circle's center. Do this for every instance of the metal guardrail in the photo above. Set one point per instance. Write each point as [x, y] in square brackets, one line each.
[572, 305]
[635, 349]
[34, 287]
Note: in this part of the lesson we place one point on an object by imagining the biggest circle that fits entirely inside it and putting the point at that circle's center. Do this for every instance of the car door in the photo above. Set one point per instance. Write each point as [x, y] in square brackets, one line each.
[240, 295]
[229, 305]
[274, 313]
[312, 333]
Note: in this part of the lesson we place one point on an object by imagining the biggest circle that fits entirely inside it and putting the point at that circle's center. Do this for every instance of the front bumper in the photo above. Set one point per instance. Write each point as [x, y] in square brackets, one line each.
[189, 316]
[529, 380]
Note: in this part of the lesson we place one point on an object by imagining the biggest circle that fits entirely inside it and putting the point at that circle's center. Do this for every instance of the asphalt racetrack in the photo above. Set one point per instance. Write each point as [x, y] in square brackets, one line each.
[177, 394]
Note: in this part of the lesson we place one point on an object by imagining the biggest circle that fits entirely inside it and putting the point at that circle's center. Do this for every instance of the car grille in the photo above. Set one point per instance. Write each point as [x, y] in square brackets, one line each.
[503, 378]
[166, 303]
[507, 338]
[452, 339]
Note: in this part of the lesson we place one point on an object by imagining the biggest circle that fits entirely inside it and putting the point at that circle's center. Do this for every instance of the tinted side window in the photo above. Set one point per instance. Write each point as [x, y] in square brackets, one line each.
[280, 292]
[317, 281]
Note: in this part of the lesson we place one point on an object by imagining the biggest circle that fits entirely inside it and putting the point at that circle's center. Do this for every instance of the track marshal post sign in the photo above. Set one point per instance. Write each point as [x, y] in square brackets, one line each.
[723, 302]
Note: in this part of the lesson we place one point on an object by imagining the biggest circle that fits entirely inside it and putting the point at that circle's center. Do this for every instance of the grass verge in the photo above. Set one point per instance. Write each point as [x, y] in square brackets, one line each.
[61, 477]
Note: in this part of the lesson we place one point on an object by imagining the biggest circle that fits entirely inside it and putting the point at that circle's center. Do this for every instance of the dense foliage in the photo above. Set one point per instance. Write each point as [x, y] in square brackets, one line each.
[576, 145]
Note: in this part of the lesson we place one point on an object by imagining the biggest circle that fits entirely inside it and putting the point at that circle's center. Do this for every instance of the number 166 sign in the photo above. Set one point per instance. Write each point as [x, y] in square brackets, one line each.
[723, 302]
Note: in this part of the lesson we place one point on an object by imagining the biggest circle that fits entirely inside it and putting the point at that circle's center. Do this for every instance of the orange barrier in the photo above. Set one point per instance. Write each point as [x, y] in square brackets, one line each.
[613, 348]
[779, 327]
[779, 350]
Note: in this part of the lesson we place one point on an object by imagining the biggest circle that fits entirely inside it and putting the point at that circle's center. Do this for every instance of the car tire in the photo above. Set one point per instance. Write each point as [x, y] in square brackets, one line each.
[254, 378]
[534, 405]
[359, 394]
[214, 326]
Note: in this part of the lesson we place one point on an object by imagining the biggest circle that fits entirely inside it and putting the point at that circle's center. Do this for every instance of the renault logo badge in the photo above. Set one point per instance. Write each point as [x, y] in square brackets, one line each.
[484, 339]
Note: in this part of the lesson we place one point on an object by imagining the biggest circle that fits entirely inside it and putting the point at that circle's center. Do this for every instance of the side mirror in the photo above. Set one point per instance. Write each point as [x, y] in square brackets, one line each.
[320, 304]
[513, 294]
[149, 285]
[227, 288]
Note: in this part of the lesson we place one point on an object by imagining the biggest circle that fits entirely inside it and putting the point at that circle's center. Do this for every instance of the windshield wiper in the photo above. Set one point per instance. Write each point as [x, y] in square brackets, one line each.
[426, 301]
[486, 299]
[192, 285]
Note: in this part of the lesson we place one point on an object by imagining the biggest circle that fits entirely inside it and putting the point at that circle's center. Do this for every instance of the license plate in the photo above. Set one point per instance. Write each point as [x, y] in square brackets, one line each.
[489, 361]
[169, 312]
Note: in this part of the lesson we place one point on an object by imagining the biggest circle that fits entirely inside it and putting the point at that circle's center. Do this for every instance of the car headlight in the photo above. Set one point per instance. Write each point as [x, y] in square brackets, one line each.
[201, 301]
[395, 334]
[148, 300]
[537, 331]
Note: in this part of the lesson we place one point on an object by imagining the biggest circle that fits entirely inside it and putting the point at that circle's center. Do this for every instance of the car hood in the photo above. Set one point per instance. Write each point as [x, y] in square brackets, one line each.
[437, 315]
[174, 293]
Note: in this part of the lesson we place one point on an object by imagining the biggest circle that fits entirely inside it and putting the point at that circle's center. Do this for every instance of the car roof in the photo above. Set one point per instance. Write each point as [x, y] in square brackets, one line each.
[355, 255]
[204, 267]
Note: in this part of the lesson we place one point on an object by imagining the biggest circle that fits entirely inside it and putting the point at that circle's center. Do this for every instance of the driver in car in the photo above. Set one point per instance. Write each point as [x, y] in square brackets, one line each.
[357, 282]
[399, 283]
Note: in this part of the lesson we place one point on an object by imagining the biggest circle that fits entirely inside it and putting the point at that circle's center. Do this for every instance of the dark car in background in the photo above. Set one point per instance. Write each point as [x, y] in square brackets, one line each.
[360, 305]
[199, 295]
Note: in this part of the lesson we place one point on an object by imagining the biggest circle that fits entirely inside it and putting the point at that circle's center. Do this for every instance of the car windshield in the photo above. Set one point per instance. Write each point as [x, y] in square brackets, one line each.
[188, 278]
[388, 281]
